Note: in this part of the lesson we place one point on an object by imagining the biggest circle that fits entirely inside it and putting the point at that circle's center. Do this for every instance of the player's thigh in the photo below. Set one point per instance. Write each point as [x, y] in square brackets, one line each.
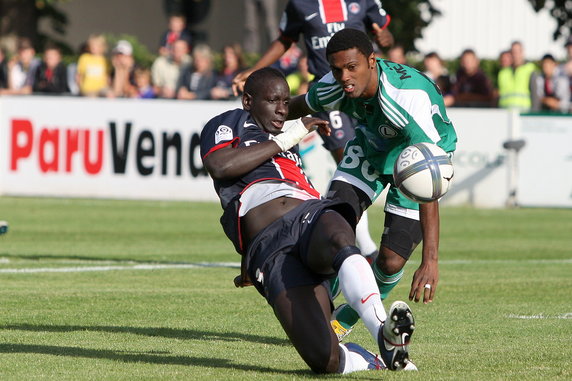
[356, 181]
[304, 313]
[330, 233]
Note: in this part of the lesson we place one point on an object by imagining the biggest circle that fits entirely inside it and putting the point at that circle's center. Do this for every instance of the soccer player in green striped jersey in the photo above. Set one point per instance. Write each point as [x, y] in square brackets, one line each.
[396, 106]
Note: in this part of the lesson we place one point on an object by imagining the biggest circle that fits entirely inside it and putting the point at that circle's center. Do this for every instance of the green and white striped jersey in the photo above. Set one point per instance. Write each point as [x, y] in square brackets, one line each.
[407, 109]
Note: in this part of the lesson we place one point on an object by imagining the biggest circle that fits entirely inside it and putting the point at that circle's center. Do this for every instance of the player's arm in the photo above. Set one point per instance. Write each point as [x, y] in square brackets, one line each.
[230, 162]
[382, 36]
[428, 271]
[378, 20]
[272, 54]
[298, 107]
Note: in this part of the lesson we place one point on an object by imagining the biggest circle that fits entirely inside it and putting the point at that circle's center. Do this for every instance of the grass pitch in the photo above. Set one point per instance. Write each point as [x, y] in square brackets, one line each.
[105, 290]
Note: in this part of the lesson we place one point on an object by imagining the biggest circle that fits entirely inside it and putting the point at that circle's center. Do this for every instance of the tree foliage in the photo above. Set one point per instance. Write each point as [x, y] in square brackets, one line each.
[561, 11]
[20, 18]
[408, 19]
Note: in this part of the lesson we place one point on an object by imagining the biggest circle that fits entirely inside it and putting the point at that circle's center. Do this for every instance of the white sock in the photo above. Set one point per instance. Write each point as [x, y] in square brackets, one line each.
[361, 292]
[363, 238]
[353, 361]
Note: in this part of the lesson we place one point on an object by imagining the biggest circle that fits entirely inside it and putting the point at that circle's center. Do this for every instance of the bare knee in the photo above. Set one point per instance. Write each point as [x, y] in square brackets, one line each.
[389, 262]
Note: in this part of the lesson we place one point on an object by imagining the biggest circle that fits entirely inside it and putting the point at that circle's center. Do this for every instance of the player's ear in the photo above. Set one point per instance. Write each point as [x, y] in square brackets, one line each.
[371, 60]
[246, 101]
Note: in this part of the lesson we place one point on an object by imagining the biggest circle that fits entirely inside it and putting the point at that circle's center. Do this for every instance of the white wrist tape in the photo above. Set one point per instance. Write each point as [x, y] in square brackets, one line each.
[290, 137]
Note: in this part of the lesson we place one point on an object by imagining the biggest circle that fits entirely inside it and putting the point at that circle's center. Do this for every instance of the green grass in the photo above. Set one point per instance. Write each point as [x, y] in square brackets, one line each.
[503, 309]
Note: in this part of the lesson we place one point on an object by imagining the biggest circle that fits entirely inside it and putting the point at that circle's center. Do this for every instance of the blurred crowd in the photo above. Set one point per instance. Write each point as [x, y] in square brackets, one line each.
[184, 70]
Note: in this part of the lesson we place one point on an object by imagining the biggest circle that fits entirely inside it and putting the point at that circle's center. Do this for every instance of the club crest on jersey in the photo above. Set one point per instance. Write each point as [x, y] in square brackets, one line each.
[223, 133]
[339, 134]
[354, 8]
[387, 131]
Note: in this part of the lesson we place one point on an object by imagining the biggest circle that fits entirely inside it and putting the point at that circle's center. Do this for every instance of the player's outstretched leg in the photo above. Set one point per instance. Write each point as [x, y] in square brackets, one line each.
[344, 317]
[394, 337]
[304, 314]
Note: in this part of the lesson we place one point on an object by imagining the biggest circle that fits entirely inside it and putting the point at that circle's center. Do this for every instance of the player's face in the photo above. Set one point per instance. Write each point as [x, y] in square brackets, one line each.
[269, 105]
[355, 72]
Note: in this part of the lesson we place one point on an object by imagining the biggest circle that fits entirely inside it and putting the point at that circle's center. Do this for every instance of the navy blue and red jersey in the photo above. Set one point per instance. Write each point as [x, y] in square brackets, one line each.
[236, 128]
[319, 20]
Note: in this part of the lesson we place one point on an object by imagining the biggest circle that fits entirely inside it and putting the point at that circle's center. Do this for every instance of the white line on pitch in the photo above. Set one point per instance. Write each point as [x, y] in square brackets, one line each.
[79, 269]
[541, 316]
[502, 261]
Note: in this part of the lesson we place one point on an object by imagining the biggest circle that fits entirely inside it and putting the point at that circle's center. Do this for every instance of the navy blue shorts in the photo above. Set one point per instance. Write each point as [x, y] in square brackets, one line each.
[276, 257]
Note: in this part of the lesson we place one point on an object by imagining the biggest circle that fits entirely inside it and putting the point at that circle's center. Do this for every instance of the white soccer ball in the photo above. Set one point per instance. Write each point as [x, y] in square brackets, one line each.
[423, 172]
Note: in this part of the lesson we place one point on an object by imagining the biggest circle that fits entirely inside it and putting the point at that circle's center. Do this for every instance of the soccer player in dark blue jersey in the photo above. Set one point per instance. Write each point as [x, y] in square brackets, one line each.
[317, 21]
[291, 240]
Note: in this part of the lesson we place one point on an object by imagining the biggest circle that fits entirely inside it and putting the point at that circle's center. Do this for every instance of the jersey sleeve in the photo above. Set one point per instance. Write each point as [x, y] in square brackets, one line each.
[326, 95]
[413, 105]
[376, 14]
[291, 23]
[218, 133]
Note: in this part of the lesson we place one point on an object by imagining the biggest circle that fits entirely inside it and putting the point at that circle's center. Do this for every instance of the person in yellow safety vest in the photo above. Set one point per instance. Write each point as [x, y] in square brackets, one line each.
[514, 81]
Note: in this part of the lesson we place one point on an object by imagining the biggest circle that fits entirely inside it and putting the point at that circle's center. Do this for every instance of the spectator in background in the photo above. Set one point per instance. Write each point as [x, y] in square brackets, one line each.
[566, 68]
[254, 12]
[51, 76]
[233, 63]
[505, 59]
[472, 87]
[143, 86]
[550, 88]
[123, 65]
[92, 68]
[514, 81]
[3, 69]
[177, 30]
[22, 69]
[72, 71]
[299, 81]
[436, 70]
[288, 62]
[397, 54]
[166, 70]
[196, 82]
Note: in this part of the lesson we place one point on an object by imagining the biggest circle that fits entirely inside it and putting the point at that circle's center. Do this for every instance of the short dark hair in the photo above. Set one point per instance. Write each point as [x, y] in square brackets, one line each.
[432, 55]
[549, 57]
[347, 39]
[261, 77]
[468, 51]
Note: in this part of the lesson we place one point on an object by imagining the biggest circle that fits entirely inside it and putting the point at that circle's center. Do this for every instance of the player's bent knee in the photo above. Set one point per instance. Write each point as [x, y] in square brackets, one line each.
[332, 234]
[400, 237]
[389, 262]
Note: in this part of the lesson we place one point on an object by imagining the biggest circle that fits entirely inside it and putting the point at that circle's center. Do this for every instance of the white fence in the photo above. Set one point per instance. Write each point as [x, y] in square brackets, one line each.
[149, 149]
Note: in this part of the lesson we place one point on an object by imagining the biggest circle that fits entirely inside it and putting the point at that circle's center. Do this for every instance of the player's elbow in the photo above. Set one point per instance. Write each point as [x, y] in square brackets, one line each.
[221, 172]
[217, 168]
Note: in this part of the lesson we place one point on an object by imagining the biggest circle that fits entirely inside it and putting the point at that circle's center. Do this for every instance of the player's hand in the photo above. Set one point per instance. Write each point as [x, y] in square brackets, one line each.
[383, 37]
[239, 281]
[424, 282]
[238, 82]
[311, 123]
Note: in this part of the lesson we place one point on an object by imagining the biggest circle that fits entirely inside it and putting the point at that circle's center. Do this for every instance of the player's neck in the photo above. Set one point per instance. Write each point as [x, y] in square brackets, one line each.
[373, 85]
